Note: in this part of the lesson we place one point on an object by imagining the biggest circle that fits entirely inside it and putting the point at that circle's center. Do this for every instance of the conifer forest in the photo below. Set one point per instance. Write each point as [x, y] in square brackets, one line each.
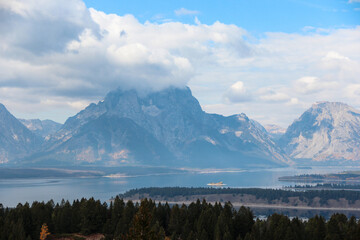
[149, 220]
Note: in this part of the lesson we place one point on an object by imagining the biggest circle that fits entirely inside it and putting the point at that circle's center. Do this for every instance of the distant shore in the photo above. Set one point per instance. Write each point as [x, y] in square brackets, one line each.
[328, 200]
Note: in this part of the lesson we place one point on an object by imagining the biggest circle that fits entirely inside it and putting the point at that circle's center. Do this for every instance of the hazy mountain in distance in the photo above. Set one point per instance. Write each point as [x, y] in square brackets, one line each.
[41, 128]
[162, 128]
[108, 141]
[275, 131]
[326, 131]
[16, 141]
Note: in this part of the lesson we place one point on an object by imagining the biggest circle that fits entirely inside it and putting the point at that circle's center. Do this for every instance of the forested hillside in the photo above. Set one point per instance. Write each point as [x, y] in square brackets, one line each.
[199, 220]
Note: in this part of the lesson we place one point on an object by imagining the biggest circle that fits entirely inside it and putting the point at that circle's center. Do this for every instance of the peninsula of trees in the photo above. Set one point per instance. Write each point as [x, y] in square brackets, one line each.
[251, 196]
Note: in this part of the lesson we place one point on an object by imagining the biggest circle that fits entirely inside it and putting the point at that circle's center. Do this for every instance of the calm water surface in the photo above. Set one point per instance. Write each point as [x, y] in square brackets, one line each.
[28, 190]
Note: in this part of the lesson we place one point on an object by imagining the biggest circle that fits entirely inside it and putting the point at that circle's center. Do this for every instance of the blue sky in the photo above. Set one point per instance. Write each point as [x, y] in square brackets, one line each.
[256, 16]
[268, 59]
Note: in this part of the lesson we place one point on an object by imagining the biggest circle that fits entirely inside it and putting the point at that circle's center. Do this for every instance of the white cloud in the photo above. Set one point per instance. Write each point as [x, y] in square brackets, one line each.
[271, 95]
[308, 85]
[354, 1]
[66, 52]
[184, 11]
[335, 56]
[42, 26]
[56, 53]
[237, 93]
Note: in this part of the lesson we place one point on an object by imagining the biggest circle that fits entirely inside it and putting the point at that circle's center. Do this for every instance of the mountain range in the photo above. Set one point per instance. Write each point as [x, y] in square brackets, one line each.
[169, 128]
[163, 128]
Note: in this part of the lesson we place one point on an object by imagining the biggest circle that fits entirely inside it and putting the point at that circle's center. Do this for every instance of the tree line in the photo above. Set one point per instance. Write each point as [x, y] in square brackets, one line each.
[148, 220]
[259, 193]
[326, 186]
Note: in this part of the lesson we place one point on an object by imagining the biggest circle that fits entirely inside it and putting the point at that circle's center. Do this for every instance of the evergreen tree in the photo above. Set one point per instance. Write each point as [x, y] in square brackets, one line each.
[243, 221]
[297, 229]
[175, 224]
[75, 216]
[141, 226]
[315, 228]
[162, 214]
[353, 232]
[123, 224]
[336, 227]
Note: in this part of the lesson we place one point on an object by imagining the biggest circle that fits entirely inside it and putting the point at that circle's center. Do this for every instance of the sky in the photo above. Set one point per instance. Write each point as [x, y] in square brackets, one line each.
[268, 59]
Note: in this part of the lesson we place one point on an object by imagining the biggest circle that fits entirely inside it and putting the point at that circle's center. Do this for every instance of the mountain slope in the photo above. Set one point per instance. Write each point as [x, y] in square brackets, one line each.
[182, 133]
[326, 131]
[42, 128]
[275, 131]
[16, 140]
[108, 141]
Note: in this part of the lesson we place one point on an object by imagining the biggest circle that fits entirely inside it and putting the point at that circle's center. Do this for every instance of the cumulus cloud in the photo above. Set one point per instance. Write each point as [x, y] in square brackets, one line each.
[63, 51]
[184, 11]
[309, 85]
[292, 71]
[26, 26]
[237, 93]
[59, 54]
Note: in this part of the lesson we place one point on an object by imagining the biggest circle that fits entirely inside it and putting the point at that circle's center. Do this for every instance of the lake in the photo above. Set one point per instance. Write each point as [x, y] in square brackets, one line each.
[13, 191]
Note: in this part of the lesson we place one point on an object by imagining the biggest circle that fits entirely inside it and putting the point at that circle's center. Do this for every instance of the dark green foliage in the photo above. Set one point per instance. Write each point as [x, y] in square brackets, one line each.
[144, 226]
[93, 215]
[198, 220]
[337, 227]
[243, 222]
[259, 193]
[315, 228]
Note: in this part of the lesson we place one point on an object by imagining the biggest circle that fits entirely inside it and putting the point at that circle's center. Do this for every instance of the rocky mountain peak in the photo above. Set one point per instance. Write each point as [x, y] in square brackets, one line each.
[175, 121]
[328, 130]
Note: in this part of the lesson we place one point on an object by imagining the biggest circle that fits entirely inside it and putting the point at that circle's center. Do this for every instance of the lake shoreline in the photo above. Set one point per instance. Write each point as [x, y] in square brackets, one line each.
[252, 205]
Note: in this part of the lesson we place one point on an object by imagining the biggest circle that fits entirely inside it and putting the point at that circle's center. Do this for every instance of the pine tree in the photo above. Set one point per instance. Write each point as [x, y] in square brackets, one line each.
[353, 232]
[141, 227]
[243, 221]
[315, 228]
[123, 224]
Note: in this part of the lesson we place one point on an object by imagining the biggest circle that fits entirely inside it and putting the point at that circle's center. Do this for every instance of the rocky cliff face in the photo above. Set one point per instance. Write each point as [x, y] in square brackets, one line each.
[327, 131]
[16, 141]
[166, 127]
